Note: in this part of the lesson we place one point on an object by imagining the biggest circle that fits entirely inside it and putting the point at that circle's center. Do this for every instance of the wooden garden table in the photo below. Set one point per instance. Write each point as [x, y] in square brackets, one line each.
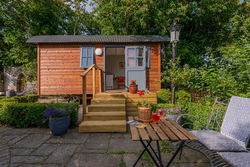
[167, 130]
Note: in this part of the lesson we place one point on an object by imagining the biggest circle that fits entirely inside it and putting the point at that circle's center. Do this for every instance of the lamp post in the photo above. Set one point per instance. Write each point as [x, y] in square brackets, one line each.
[174, 30]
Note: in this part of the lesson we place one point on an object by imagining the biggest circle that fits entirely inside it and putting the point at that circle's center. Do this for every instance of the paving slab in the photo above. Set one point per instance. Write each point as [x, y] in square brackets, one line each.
[12, 139]
[71, 137]
[190, 155]
[122, 135]
[32, 141]
[62, 153]
[43, 165]
[124, 144]
[45, 149]
[91, 160]
[39, 130]
[27, 159]
[82, 149]
[98, 141]
[20, 151]
[16, 131]
[130, 159]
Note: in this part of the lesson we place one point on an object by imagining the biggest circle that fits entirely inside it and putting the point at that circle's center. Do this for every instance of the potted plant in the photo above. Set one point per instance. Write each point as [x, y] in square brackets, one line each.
[59, 120]
[144, 111]
[173, 113]
[133, 87]
[10, 93]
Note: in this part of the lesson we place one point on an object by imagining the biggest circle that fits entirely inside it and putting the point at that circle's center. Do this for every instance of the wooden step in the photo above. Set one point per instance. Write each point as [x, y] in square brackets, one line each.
[105, 116]
[103, 126]
[109, 95]
[108, 101]
[106, 107]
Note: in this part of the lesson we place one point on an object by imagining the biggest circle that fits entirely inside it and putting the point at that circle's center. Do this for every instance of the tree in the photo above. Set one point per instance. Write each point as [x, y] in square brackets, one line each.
[20, 20]
[174, 73]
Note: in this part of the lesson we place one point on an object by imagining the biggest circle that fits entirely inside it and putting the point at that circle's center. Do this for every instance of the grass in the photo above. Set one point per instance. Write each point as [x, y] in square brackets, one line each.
[166, 147]
[122, 164]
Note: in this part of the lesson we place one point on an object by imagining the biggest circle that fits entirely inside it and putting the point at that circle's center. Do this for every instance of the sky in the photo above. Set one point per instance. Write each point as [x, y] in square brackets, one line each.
[88, 7]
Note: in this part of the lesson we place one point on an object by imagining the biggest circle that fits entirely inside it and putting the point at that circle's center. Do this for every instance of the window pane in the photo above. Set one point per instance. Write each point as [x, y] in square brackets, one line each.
[131, 62]
[90, 54]
[84, 52]
[140, 52]
[140, 61]
[90, 62]
[131, 53]
[84, 62]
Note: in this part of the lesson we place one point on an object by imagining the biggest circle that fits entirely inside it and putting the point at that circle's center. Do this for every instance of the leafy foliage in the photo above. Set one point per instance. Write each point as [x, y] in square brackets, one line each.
[23, 115]
[20, 99]
[163, 96]
[183, 96]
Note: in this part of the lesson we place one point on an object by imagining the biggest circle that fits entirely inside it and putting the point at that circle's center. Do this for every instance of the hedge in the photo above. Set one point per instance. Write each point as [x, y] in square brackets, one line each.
[23, 115]
[20, 99]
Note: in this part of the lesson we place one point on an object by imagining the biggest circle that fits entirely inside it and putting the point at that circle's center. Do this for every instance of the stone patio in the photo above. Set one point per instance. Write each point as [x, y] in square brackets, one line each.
[36, 147]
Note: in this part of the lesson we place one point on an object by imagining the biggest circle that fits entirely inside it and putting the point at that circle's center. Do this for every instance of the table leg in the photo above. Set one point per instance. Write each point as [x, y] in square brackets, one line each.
[141, 154]
[159, 153]
[177, 151]
[154, 152]
[149, 153]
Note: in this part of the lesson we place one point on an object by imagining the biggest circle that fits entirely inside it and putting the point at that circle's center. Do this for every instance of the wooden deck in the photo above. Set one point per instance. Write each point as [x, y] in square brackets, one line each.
[108, 111]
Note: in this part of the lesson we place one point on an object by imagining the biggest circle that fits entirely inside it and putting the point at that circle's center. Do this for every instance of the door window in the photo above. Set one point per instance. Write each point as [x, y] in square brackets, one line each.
[131, 57]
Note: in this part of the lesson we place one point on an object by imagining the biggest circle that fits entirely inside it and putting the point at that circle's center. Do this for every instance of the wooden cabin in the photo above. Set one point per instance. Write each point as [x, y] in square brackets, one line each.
[84, 65]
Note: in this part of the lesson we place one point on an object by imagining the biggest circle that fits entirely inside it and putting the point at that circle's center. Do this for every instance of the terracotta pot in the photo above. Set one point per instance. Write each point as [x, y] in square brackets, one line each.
[144, 114]
[133, 89]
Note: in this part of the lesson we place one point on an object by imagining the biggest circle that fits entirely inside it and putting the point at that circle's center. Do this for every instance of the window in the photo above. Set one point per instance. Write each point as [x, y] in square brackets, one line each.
[147, 56]
[138, 56]
[87, 57]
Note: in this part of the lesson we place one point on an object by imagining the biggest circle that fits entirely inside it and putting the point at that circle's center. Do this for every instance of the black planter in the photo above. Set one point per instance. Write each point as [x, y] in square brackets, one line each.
[59, 126]
[10, 93]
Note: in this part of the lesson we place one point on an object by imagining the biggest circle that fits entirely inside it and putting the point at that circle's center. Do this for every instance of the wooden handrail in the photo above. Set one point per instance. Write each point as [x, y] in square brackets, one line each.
[90, 68]
[93, 67]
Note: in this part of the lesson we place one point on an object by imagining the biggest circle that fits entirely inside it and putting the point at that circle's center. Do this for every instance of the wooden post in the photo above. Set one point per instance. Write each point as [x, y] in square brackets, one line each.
[38, 70]
[100, 81]
[84, 98]
[94, 82]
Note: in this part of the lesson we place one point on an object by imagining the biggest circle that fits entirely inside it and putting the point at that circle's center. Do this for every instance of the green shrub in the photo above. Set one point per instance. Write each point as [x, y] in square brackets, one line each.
[200, 113]
[164, 96]
[165, 105]
[26, 98]
[23, 115]
[182, 96]
[20, 99]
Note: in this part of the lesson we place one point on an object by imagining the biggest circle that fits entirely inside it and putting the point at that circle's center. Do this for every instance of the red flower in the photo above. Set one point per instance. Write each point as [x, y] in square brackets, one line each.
[131, 81]
[141, 93]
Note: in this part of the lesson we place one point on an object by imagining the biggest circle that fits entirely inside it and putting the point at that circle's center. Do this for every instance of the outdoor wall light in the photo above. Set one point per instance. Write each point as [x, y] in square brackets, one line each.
[98, 51]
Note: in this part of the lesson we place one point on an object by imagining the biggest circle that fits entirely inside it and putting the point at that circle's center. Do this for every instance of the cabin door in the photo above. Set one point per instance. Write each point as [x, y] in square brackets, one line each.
[135, 66]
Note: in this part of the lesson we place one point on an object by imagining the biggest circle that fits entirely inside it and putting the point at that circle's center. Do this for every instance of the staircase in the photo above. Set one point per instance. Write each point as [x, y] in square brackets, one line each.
[107, 113]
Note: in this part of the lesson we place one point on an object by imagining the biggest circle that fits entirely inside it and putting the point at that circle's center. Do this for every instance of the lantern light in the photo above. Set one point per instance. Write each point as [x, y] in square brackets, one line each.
[98, 51]
[174, 32]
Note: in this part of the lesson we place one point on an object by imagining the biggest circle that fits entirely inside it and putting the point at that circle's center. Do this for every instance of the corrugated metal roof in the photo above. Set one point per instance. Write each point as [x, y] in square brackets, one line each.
[96, 38]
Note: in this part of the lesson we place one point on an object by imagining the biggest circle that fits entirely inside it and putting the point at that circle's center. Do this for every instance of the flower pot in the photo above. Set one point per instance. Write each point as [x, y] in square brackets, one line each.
[59, 126]
[144, 114]
[10, 93]
[133, 89]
